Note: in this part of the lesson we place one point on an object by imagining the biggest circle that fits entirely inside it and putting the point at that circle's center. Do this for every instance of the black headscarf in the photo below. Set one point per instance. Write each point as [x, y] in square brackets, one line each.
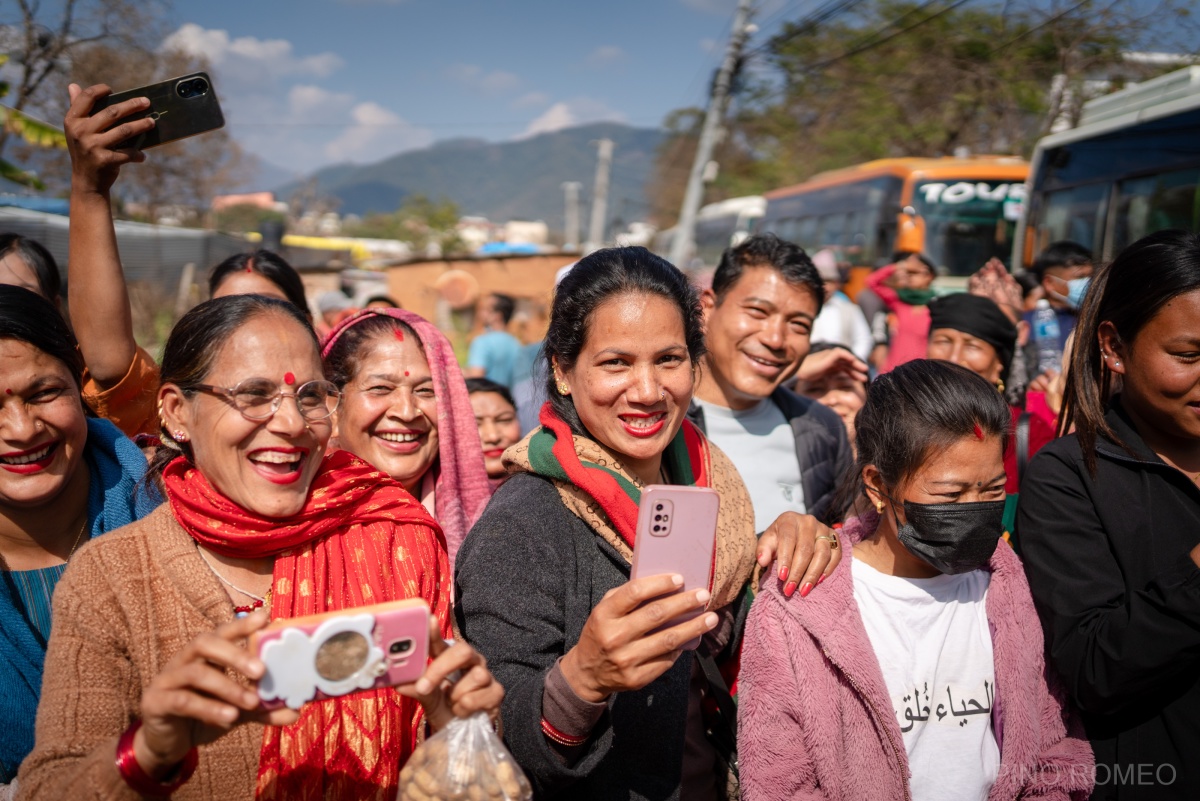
[979, 317]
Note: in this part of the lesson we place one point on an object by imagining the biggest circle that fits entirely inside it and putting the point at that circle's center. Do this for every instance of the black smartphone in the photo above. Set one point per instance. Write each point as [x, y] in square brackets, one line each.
[181, 107]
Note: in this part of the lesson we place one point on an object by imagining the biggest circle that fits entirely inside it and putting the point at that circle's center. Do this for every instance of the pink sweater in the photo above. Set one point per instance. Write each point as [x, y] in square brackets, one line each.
[815, 720]
[911, 337]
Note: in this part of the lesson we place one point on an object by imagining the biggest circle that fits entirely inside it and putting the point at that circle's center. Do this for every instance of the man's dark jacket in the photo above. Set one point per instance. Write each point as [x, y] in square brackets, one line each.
[822, 449]
[1119, 596]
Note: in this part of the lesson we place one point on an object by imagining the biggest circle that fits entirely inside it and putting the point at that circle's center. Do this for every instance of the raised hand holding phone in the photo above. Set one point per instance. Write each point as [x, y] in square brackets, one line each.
[193, 701]
[456, 684]
[93, 139]
[677, 533]
[180, 107]
[331, 654]
[639, 629]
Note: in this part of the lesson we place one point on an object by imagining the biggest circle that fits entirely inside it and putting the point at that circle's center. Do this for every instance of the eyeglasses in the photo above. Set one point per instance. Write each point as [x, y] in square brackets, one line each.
[259, 399]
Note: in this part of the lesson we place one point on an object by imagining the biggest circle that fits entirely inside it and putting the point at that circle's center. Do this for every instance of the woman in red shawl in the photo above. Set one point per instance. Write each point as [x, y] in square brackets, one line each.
[406, 410]
[146, 639]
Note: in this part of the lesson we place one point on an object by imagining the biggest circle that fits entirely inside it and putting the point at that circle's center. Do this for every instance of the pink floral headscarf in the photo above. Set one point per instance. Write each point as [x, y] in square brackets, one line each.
[462, 488]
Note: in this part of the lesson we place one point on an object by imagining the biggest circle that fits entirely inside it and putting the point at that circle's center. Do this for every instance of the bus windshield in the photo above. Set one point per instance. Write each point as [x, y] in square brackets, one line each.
[968, 222]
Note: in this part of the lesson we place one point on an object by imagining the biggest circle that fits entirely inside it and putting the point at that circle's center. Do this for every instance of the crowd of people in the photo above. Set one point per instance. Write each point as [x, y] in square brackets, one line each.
[946, 566]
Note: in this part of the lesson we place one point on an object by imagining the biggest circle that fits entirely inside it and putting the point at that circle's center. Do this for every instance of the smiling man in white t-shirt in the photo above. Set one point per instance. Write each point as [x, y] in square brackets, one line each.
[790, 451]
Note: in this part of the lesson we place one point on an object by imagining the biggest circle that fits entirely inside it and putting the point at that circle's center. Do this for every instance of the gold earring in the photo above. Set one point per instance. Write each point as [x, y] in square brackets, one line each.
[999, 385]
[879, 507]
[563, 389]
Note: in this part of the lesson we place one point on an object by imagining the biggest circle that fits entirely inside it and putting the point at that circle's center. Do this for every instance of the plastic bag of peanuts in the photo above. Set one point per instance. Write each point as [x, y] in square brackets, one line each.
[464, 762]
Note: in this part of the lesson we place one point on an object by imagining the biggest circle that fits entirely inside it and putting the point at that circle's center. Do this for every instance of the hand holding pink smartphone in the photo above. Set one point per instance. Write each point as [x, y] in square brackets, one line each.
[677, 533]
[332, 654]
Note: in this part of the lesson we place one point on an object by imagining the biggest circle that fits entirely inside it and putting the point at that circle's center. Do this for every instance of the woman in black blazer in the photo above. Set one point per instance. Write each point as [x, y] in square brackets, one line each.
[1109, 522]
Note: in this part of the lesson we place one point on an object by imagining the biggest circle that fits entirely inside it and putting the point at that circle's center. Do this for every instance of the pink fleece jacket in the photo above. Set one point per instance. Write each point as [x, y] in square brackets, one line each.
[911, 337]
[815, 720]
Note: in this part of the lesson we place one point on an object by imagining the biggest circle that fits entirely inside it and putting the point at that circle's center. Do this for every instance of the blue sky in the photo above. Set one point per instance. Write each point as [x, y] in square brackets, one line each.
[307, 83]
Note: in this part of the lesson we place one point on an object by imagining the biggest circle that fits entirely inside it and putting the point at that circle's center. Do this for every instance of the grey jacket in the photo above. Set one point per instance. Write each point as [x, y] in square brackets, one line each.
[526, 580]
[822, 449]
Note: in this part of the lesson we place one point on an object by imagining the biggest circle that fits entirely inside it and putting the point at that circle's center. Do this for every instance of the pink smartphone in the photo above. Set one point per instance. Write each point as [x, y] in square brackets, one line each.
[676, 533]
[332, 654]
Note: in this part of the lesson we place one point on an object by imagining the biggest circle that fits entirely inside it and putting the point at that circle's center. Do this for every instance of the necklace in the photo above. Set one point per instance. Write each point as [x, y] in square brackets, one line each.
[70, 553]
[78, 537]
[238, 611]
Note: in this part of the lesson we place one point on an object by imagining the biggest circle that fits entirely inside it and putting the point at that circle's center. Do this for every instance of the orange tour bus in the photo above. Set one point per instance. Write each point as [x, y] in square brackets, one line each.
[958, 211]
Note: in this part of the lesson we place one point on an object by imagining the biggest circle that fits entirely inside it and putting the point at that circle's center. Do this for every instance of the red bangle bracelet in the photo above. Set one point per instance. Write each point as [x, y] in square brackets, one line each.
[560, 737]
[141, 782]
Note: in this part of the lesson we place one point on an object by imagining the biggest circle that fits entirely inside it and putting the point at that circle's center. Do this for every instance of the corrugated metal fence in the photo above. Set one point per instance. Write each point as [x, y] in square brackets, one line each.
[150, 254]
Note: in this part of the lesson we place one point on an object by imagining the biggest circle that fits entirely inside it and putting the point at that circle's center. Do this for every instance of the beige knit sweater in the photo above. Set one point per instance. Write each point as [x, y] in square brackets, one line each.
[127, 603]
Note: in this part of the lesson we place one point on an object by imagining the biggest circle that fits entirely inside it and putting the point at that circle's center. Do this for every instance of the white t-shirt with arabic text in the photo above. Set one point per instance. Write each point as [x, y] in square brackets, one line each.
[933, 642]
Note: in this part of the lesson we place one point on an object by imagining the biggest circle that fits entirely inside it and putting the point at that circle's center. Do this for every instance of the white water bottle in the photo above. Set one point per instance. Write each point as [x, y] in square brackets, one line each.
[1046, 334]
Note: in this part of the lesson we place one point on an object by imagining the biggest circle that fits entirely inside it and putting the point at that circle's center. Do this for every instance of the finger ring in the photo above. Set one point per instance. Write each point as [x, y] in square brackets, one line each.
[833, 540]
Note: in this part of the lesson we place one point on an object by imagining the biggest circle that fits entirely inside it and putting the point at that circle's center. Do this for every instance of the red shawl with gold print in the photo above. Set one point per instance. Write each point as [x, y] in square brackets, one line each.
[360, 539]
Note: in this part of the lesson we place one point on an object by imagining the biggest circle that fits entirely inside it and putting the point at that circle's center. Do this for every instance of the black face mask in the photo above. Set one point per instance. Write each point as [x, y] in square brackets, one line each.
[952, 537]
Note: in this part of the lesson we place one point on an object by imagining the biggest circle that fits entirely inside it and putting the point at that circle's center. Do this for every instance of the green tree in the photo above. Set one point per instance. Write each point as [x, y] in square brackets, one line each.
[419, 221]
[34, 132]
[43, 43]
[924, 78]
[246, 217]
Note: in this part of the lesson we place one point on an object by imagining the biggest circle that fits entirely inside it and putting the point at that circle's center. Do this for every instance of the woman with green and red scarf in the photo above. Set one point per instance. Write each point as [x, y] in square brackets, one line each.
[599, 704]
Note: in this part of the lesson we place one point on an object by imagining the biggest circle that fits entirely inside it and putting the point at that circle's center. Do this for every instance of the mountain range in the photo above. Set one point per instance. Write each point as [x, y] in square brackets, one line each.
[514, 180]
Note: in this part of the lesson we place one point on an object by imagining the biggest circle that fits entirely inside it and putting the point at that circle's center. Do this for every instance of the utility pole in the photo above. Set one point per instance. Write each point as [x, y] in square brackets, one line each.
[685, 229]
[600, 196]
[571, 228]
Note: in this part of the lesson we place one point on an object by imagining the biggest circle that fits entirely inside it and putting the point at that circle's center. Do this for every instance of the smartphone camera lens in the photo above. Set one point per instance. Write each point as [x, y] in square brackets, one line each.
[193, 87]
[657, 517]
[658, 508]
[400, 647]
[657, 528]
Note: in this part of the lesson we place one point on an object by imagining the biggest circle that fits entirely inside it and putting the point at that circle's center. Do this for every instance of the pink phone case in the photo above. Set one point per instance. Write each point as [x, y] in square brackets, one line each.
[676, 533]
[335, 653]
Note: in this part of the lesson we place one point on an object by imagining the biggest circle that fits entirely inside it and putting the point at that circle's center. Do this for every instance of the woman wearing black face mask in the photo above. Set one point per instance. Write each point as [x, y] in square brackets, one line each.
[919, 672]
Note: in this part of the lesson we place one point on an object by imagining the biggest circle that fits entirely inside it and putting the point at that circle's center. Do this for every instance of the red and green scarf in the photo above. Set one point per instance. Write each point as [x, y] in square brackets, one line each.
[687, 461]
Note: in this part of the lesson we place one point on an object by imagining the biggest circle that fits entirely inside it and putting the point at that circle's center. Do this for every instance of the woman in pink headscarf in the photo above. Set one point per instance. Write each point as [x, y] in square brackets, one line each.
[405, 410]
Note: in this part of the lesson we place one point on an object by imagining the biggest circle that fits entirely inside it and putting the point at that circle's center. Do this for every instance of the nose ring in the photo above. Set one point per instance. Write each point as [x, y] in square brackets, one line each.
[662, 394]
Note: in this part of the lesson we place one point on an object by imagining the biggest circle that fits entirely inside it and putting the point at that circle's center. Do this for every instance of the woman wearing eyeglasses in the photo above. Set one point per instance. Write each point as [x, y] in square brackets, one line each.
[149, 688]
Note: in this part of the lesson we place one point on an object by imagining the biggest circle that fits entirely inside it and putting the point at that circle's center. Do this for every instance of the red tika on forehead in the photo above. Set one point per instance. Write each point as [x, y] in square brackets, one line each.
[398, 334]
[978, 432]
[290, 378]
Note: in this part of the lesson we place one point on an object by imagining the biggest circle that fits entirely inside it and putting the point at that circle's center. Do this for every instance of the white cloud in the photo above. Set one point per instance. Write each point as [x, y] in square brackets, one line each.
[476, 78]
[555, 118]
[279, 110]
[567, 114]
[606, 55]
[246, 60]
[376, 133]
[308, 103]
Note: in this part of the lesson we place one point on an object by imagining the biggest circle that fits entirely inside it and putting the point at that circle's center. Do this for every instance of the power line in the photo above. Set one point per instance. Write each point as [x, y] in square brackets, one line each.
[1036, 28]
[870, 45]
[872, 41]
[823, 14]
